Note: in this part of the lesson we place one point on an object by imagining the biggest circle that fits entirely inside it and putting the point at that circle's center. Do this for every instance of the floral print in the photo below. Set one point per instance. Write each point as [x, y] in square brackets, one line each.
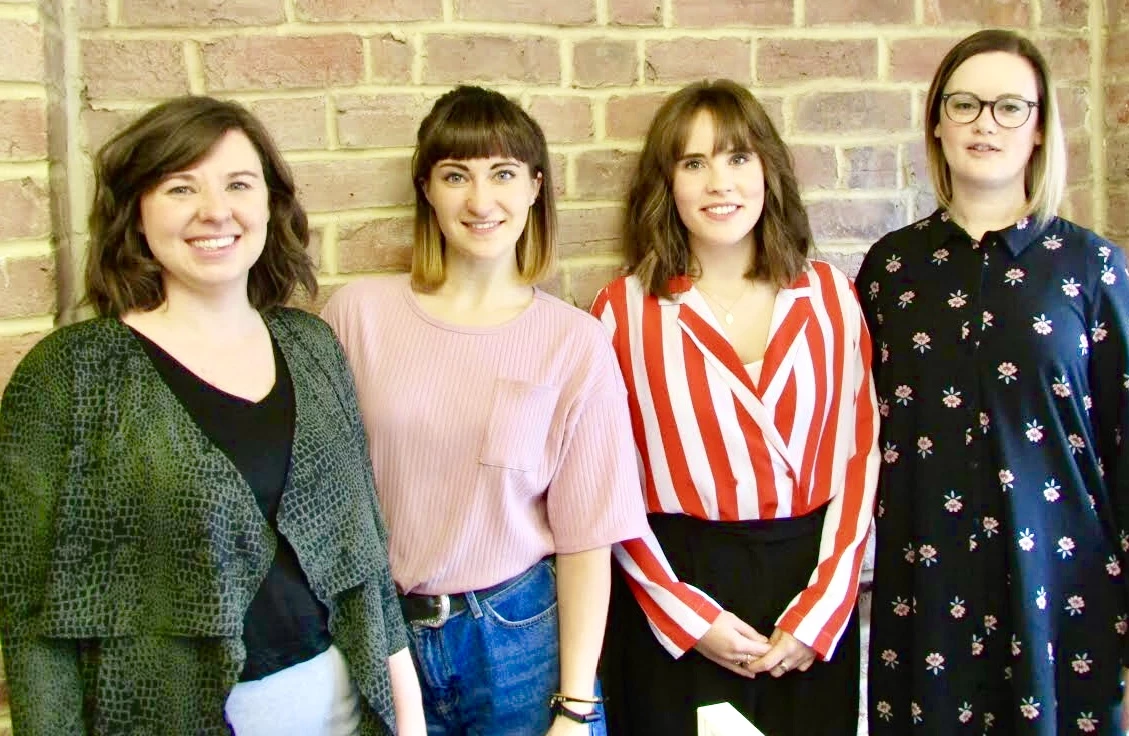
[1004, 524]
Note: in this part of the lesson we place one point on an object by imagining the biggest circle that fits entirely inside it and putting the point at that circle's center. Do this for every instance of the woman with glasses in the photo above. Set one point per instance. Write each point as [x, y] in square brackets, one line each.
[1003, 381]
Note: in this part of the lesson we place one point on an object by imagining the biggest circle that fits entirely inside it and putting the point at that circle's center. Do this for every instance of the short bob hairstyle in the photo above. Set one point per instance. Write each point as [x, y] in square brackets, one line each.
[1046, 171]
[656, 242]
[121, 272]
[472, 122]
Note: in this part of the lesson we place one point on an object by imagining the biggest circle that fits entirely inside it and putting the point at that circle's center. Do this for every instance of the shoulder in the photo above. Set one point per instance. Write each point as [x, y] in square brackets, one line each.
[367, 292]
[297, 321]
[91, 342]
[567, 318]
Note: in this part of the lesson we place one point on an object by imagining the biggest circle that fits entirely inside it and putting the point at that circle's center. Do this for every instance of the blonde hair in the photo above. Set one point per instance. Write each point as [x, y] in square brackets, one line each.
[1045, 179]
[472, 122]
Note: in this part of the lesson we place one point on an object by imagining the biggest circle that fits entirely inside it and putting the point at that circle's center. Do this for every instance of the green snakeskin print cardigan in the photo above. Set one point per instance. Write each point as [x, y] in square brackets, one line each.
[130, 546]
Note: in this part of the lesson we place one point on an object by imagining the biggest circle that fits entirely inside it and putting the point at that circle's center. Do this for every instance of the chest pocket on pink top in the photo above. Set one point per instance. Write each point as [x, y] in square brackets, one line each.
[518, 427]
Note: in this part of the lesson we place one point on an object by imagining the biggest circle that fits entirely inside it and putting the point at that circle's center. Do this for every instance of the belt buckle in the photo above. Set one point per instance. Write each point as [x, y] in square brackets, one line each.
[434, 622]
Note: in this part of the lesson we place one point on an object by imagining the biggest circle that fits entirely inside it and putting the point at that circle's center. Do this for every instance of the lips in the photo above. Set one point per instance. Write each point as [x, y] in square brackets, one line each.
[483, 227]
[720, 209]
[983, 148]
[213, 243]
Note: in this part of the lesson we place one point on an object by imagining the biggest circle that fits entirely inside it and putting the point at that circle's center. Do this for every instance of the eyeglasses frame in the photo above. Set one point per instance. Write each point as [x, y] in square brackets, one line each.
[991, 105]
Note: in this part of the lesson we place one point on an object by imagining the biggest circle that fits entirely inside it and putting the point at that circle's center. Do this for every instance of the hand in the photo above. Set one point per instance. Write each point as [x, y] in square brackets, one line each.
[731, 643]
[567, 727]
[787, 654]
[1125, 699]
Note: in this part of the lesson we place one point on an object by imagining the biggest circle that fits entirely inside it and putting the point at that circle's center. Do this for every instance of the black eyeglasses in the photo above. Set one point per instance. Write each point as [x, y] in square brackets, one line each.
[1010, 112]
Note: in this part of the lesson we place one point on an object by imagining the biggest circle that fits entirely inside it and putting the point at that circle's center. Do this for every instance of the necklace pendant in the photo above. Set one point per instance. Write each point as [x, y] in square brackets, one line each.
[728, 318]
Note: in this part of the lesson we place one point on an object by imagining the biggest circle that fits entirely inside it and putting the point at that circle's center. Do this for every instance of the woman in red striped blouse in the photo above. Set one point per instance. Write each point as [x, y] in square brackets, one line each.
[748, 372]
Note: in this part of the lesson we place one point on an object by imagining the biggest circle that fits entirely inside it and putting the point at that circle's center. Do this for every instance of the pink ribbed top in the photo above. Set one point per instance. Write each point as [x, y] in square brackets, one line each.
[492, 447]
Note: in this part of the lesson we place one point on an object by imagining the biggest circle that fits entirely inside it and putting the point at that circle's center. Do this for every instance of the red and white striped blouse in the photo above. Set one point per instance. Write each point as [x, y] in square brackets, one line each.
[715, 445]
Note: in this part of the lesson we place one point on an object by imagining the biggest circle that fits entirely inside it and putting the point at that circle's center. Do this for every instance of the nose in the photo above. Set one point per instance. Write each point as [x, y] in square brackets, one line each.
[214, 205]
[720, 179]
[985, 121]
[480, 199]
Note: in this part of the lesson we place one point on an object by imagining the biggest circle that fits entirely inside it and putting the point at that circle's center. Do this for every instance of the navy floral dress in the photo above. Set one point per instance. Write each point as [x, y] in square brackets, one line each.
[1002, 374]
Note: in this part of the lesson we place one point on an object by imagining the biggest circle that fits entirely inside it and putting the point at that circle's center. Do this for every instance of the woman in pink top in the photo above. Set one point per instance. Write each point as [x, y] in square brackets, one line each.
[499, 434]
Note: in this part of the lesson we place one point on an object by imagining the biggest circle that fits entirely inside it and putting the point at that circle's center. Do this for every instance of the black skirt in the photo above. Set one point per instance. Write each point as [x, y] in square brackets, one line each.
[753, 569]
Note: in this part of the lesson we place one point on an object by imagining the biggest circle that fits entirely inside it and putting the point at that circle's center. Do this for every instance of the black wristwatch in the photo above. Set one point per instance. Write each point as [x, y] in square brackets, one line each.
[557, 707]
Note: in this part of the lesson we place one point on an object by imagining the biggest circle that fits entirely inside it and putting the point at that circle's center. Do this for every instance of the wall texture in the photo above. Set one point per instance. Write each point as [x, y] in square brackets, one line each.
[344, 83]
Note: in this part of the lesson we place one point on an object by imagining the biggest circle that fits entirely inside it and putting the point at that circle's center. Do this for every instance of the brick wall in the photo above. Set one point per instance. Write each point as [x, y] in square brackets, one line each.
[344, 83]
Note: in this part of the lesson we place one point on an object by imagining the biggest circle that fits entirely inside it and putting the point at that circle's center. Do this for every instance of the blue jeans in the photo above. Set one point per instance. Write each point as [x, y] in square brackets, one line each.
[490, 670]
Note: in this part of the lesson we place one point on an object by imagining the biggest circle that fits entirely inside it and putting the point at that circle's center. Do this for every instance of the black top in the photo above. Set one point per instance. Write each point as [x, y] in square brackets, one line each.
[285, 623]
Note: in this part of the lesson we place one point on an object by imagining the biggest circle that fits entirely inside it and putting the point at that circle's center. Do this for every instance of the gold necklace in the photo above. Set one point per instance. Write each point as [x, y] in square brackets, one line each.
[727, 308]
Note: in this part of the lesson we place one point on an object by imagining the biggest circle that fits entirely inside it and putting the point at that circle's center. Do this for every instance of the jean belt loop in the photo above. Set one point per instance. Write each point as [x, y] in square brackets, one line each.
[472, 604]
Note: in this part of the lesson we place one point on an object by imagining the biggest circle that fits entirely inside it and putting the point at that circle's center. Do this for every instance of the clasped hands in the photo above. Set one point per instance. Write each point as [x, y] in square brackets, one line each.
[741, 649]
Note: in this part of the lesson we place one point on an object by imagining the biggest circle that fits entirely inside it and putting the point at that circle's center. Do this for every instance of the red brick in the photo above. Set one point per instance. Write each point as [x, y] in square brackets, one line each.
[1078, 160]
[22, 60]
[925, 203]
[23, 129]
[1073, 105]
[376, 245]
[1117, 212]
[457, 59]
[101, 124]
[795, 60]
[200, 12]
[1117, 12]
[1117, 104]
[1117, 54]
[604, 174]
[815, 166]
[855, 219]
[635, 12]
[872, 167]
[917, 59]
[127, 68]
[391, 59]
[558, 165]
[567, 13]
[1079, 205]
[27, 286]
[917, 168]
[774, 108]
[860, 11]
[270, 62]
[382, 10]
[552, 284]
[629, 116]
[313, 248]
[324, 186]
[25, 213]
[690, 59]
[295, 124]
[1069, 58]
[848, 262]
[601, 62]
[590, 231]
[857, 111]
[564, 119]
[365, 121]
[981, 12]
[91, 14]
[301, 300]
[1117, 157]
[585, 281]
[1072, 13]
[12, 351]
[713, 14]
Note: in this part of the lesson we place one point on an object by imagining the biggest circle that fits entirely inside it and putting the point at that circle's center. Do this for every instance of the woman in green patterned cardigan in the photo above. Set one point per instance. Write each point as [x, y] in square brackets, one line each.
[189, 536]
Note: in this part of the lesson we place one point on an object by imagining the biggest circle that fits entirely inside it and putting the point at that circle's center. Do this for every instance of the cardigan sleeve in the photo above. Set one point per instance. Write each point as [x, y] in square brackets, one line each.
[35, 430]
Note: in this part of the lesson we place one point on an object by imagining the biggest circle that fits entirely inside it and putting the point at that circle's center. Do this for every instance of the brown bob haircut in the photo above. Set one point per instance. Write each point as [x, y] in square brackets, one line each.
[472, 122]
[1045, 178]
[656, 242]
[121, 273]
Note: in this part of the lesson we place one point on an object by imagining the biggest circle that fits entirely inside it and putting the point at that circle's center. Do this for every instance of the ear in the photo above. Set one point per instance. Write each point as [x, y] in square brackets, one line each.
[1038, 136]
[536, 188]
[425, 185]
[937, 130]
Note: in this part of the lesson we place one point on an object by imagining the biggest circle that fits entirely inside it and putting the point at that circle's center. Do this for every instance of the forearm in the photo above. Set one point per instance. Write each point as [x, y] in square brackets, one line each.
[583, 590]
[406, 697]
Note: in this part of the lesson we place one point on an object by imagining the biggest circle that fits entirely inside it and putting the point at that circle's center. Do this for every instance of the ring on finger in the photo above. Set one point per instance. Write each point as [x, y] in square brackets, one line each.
[783, 667]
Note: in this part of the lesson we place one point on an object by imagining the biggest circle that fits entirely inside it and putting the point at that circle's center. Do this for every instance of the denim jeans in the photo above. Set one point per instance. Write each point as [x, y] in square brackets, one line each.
[490, 670]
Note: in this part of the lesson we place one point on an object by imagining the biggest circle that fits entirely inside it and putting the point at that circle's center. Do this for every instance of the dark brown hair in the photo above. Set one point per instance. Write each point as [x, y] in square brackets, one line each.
[656, 242]
[121, 273]
[472, 122]
[1046, 171]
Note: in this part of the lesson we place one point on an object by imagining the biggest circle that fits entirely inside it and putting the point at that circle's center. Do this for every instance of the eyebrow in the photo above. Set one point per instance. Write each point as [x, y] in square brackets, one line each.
[463, 167]
[230, 175]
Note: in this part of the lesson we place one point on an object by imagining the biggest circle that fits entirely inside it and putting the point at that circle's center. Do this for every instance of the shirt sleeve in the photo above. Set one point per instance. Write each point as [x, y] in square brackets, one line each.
[1109, 385]
[35, 443]
[678, 613]
[818, 615]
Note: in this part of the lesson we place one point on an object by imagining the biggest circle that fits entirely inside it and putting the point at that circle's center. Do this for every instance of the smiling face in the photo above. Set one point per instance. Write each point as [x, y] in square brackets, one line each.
[207, 225]
[983, 155]
[719, 195]
[482, 206]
